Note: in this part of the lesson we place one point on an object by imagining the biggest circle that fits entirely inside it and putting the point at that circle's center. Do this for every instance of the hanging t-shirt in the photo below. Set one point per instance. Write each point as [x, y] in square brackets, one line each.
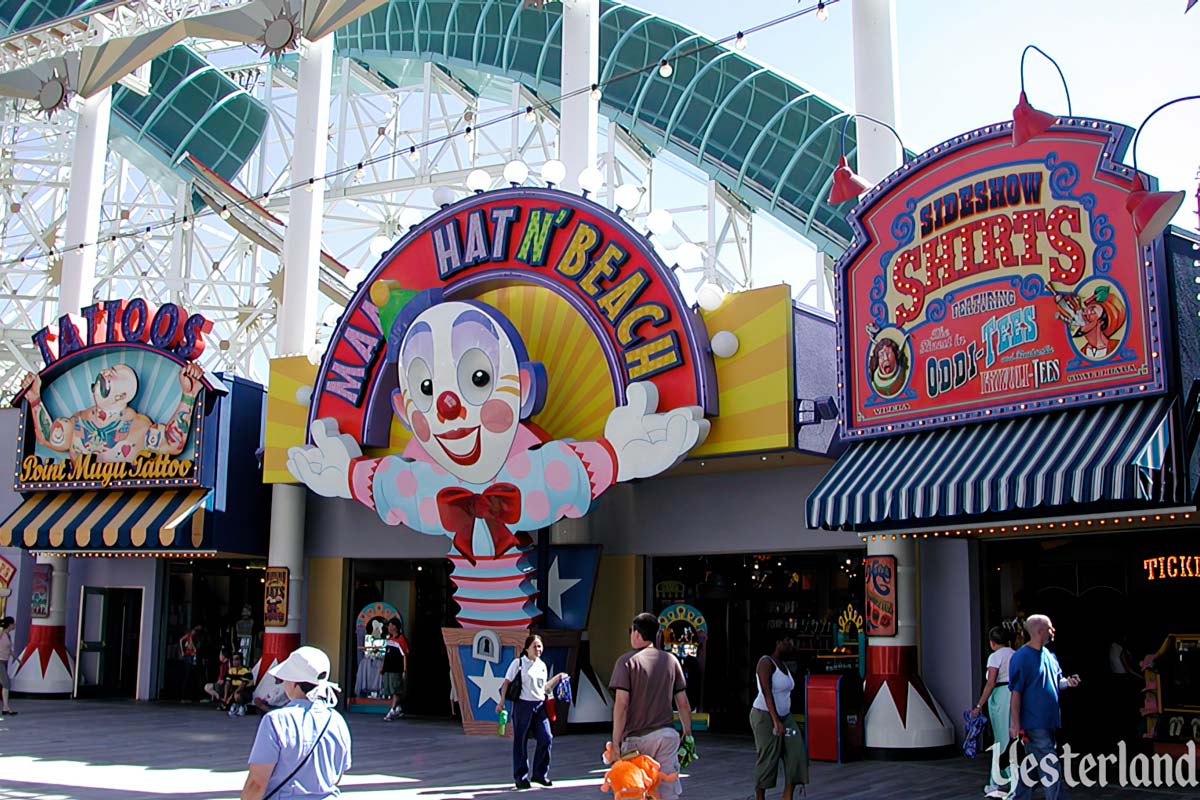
[395, 653]
[533, 677]
[999, 659]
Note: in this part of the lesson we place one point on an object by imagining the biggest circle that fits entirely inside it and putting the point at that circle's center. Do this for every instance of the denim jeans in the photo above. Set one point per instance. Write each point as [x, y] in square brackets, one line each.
[1041, 746]
[528, 714]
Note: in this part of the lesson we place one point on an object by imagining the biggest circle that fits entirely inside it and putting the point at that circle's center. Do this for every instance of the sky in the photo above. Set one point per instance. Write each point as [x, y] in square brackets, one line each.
[959, 63]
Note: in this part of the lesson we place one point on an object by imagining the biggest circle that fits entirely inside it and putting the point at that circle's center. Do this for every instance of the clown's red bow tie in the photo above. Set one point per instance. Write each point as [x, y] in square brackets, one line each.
[499, 506]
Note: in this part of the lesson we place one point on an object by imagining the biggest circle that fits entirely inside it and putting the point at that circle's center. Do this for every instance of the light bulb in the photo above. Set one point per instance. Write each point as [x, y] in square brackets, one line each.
[413, 155]
[725, 344]
[187, 224]
[224, 212]
[379, 244]
[596, 93]
[360, 171]
[710, 295]
[590, 180]
[689, 255]
[822, 12]
[516, 172]
[443, 196]
[740, 41]
[308, 187]
[411, 216]
[659, 221]
[469, 134]
[354, 277]
[627, 196]
[553, 171]
[330, 315]
[665, 69]
[529, 115]
[479, 181]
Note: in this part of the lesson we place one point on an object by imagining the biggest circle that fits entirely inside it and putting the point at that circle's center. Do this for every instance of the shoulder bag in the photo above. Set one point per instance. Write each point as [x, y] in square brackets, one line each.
[514, 686]
[304, 760]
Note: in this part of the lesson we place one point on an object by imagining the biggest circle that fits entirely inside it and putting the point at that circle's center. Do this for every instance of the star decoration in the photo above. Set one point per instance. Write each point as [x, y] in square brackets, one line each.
[489, 685]
[556, 588]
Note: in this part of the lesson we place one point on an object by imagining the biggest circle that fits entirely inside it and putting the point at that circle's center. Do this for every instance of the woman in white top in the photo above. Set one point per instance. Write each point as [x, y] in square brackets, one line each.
[996, 698]
[530, 712]
[777, 737]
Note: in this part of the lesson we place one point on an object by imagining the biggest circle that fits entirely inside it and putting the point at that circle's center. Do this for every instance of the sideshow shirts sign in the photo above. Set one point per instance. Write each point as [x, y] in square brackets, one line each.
[990, 280]
[880, 575]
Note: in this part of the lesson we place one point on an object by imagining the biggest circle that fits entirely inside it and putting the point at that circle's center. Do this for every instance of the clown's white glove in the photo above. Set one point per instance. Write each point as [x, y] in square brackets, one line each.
[647, 443]
[324, 465]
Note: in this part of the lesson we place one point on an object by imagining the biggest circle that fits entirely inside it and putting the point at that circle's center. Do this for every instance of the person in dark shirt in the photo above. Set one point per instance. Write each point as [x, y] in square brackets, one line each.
[1034, 680]
[394, 669]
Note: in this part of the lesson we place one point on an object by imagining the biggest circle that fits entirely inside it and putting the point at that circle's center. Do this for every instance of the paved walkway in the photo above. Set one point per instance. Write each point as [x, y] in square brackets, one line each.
[92, 750]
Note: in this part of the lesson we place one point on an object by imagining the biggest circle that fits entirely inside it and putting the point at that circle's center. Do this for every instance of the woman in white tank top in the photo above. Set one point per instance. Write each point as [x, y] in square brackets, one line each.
[777, 737]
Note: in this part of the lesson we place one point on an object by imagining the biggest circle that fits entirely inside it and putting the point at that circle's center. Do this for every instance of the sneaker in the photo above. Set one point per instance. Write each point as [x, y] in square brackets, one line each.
[388, 716]
[544, 782]
[997, 792]
[241, 710]
[232, 712]
[523, 785]
[399, 714]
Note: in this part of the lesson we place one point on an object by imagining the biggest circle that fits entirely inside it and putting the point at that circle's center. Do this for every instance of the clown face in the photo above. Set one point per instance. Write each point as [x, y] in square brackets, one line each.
[114, 388]
[462, 387]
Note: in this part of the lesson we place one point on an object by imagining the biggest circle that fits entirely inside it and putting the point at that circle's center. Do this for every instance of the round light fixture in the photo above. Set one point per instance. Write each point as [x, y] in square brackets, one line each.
[725, 344]
[689, 255]
[659, 221]
[628, 196]
[554, 171]
[515, 172]
[710, 296]
[379, 244]
[411, 216]
[443, 196]
[590, 180]
[479, 181]
[354, 277]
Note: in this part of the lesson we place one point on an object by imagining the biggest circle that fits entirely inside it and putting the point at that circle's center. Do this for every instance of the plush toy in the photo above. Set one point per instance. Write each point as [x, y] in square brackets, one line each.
[634, 777]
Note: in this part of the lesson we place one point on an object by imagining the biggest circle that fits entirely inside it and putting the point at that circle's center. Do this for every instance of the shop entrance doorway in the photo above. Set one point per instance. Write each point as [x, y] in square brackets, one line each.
[108, 645]
[418, 593]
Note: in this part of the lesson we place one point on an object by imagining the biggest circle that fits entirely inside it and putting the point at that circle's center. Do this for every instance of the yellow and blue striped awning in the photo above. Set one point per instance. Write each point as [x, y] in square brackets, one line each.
[1065, 458]
[109, 521]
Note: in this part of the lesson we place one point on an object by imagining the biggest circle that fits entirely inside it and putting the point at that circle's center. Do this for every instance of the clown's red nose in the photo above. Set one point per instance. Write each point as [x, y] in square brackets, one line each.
[449, 406]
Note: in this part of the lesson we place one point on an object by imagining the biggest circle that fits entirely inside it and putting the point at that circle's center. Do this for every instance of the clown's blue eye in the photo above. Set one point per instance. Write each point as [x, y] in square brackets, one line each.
[480, 378]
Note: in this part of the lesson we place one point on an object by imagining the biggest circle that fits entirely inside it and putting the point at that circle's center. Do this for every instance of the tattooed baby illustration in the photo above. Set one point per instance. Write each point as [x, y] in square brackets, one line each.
[112, 430]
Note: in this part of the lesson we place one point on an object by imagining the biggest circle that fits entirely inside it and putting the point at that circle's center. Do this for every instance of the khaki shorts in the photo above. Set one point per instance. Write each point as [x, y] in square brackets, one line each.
[774, 750]
[663, 746]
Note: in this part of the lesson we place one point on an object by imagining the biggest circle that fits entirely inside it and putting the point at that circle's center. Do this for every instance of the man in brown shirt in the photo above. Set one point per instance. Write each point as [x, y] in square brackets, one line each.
[644, 682]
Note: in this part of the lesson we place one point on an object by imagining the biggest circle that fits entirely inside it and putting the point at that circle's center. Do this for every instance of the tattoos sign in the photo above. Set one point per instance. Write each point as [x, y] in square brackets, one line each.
[880, 574]
[119, 402]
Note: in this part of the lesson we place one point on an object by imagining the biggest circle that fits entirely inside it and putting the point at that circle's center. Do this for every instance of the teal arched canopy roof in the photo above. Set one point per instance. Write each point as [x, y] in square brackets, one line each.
[768, 139]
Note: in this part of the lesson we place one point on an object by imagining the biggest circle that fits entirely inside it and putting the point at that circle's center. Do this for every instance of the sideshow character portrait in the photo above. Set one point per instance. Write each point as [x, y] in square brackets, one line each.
[1094, 322]
[111, 429]
[888, 365]
[473, 471]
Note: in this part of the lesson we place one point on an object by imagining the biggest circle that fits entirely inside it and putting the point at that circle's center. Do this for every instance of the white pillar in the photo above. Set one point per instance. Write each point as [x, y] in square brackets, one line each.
[85, 196]
[297, 318]
[46, 664]
[875, 84]
[580, 69]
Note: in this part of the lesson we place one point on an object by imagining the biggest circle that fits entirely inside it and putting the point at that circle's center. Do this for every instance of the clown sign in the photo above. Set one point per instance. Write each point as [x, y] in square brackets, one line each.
[989, 280]
[419, 346]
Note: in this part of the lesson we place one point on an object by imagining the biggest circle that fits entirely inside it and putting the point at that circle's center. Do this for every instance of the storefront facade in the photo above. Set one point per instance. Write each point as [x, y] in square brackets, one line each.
[767, 400]
[136, 511]
[1017, 391]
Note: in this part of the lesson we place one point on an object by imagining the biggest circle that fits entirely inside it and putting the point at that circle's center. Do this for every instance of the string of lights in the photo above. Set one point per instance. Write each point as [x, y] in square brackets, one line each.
[663, 66]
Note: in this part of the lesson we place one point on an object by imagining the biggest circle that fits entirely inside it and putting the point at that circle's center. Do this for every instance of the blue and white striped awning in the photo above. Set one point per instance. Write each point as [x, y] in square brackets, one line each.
[1064, 458]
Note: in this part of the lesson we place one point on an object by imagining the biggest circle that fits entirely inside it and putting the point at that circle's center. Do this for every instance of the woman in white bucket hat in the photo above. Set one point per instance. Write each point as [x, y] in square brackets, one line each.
[302, 749]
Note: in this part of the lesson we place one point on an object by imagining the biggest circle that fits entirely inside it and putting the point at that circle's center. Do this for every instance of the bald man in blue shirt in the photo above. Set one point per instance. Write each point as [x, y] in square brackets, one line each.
[1035, 679]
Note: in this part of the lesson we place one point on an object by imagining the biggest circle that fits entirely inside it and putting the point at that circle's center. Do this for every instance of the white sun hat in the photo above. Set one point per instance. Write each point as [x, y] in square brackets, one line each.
[307, 665]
